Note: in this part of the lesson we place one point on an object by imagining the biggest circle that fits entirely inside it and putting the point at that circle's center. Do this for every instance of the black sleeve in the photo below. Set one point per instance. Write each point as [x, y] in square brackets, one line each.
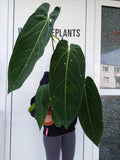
[32, 100]
[44, 80]
[33, 111]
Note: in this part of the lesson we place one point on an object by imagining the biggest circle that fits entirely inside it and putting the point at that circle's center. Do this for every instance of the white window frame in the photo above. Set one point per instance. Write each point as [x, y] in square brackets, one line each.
[8, 16]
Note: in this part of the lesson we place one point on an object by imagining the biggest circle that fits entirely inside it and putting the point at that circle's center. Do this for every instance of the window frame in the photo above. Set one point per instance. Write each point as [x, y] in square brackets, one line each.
[98, 22]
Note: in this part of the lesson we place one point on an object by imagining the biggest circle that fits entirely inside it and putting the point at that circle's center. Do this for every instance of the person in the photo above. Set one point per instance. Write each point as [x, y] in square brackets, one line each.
[56, 139]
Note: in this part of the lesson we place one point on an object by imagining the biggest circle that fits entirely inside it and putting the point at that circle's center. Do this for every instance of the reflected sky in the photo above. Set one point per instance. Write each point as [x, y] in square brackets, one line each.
[111, 58]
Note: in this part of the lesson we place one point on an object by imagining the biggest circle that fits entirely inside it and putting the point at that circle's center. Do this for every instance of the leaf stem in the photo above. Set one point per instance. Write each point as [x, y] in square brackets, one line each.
[52, 43]
[55, 37]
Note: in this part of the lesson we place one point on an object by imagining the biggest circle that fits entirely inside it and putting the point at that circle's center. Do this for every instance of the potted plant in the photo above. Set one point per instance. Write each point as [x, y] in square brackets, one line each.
[70, 93]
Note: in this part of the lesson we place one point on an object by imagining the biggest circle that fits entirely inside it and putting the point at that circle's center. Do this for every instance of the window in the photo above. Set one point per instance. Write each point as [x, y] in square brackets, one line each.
[110, 46]
[110, 79]
[117, 69]
[105, 69]
[117, 82]
[106, 79]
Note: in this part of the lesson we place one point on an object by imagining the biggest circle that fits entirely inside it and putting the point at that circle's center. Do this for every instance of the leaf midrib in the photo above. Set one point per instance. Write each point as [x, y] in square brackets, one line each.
[30, 54]
[66, 83]
[32, 29]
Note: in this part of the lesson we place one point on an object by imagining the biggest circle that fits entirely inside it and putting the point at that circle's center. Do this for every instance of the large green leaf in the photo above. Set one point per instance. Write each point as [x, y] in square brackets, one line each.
[90, 113]
[57, 122]
[30, 45]
[67, 70]
[42, 104]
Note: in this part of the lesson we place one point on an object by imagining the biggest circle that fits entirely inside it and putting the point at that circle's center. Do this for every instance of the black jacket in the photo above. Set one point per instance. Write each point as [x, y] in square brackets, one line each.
[52, 130]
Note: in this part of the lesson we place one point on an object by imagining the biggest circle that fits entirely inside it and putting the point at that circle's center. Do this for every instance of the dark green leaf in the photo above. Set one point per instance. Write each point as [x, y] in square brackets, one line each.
[56, 120]
[42, 104]
[90, 113]
[30, 45]
[67, 70]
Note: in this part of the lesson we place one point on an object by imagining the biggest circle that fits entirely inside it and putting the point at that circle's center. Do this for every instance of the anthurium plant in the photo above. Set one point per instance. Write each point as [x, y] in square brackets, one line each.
[70, 93]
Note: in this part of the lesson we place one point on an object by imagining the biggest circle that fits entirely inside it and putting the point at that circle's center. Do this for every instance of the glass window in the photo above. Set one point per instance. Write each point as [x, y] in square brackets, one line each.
[105, 69]
[110, 78]
[118, 82]
[110, 46]
[110, 142]
[106, 79]
[117, 69]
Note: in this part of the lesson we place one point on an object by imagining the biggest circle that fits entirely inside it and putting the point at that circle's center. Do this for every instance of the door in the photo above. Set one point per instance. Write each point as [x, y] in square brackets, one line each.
[26, 139]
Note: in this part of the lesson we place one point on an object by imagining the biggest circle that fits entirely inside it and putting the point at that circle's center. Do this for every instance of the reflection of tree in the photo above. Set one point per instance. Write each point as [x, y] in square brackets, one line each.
[110, 36]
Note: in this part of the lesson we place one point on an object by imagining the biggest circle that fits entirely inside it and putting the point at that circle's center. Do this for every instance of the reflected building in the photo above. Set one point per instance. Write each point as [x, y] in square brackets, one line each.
[110, 70]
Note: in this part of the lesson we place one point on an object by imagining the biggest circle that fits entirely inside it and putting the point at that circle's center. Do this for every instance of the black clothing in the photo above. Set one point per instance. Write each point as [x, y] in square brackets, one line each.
[53, 130]
[57, 131]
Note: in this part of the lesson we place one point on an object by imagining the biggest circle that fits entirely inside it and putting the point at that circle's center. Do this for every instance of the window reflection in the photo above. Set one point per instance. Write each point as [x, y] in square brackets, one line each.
[110, 48]
[110, 142]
